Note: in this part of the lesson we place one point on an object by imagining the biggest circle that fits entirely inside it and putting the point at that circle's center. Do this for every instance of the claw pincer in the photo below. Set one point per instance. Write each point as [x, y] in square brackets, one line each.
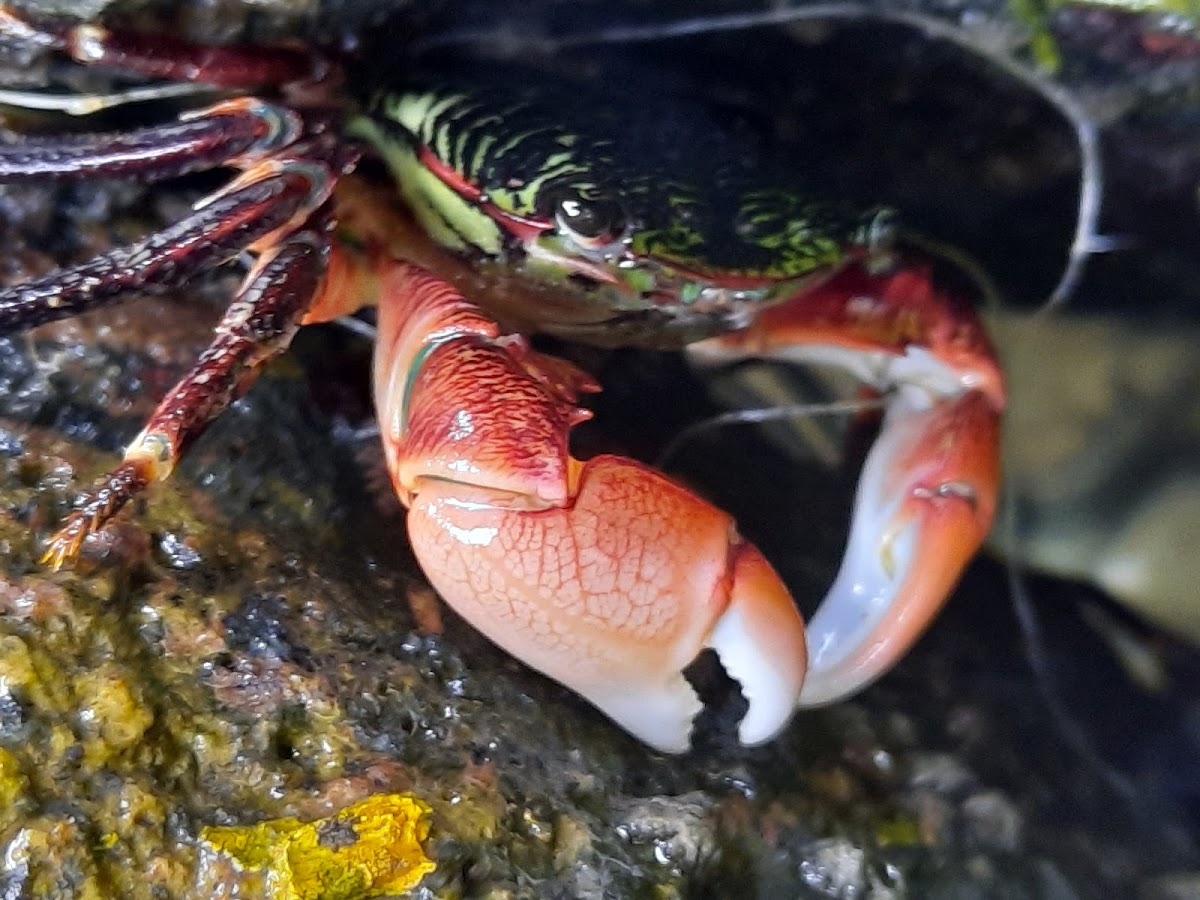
[927, 492]
[605, 575]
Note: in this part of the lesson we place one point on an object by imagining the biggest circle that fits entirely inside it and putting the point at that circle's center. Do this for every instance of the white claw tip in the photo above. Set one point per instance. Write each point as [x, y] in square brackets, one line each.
[658, 716]
[770, 685]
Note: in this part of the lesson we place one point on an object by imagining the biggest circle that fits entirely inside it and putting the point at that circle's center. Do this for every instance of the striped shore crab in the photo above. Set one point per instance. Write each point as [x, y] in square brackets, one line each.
[532, 209]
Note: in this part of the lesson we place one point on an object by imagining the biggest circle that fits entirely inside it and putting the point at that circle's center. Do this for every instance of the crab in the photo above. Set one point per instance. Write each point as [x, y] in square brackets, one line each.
[529, 211]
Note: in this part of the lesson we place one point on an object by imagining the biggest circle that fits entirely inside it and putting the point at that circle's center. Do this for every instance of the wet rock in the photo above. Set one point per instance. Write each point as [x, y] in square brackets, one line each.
[992, 821]
[836, 868]
[680, 829]
[258, 627]
[940, 773]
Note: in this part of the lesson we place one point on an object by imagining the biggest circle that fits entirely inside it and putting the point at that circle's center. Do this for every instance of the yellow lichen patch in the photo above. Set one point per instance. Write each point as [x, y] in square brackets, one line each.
[370, 849]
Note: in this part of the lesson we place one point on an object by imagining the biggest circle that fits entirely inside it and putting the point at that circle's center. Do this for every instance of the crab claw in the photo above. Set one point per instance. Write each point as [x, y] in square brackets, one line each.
[925, 502]
[616, 594]
[606, 575]
[927, 492]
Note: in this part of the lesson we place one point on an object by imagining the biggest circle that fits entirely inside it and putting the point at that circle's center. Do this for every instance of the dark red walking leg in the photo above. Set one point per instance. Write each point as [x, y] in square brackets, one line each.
[258, 325]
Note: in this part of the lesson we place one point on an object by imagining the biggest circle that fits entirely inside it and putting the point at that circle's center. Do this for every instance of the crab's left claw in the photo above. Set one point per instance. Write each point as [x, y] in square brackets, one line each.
[605, 575]
[615, 593]
[927, 492]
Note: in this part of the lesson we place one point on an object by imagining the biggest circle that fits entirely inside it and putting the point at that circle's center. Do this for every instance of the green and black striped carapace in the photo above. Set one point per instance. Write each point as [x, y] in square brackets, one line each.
[641, 204]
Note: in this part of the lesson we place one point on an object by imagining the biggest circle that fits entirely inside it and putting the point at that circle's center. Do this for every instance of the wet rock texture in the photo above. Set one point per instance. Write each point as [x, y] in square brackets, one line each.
[252, 642]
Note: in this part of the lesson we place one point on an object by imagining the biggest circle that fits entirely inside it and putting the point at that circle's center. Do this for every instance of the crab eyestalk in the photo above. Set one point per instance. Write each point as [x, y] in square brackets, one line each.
[605, 575]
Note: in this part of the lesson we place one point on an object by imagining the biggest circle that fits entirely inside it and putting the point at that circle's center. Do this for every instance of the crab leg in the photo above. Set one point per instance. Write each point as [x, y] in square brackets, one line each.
[927, 491]
[270, 199]
[240, 130]
[605, 575]
[159, 56]
[258, 325]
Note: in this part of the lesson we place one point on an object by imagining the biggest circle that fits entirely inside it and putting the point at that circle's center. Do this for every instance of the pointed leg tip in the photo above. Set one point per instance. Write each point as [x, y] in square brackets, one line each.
[56, 555]
[64, 547]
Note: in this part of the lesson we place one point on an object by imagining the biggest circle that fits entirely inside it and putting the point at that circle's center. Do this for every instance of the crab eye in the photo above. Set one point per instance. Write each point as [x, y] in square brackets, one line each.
[590, 223]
